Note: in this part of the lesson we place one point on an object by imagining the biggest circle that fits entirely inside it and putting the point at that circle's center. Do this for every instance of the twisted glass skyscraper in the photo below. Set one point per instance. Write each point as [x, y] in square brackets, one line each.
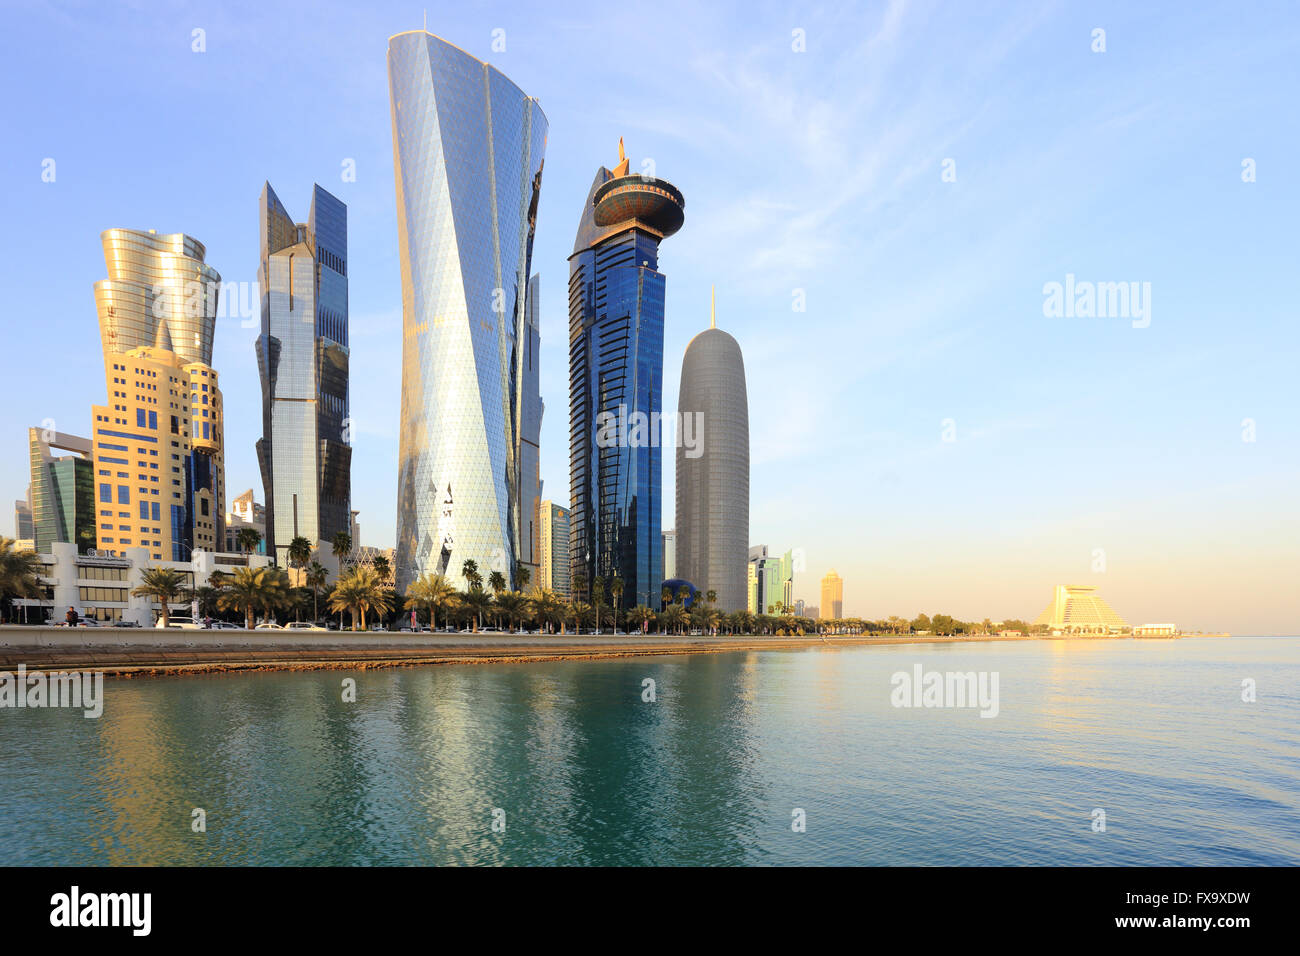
[302, 358]
[468, 146]
[616, 346]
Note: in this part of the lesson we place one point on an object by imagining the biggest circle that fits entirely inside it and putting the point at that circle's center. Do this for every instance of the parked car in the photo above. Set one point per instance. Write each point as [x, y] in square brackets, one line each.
[268, 626]
[303, 626]
[226, 626]
[180, 622]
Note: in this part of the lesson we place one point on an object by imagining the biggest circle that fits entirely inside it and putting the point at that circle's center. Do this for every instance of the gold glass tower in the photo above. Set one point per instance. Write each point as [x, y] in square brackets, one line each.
[832, 596]
[158, 441]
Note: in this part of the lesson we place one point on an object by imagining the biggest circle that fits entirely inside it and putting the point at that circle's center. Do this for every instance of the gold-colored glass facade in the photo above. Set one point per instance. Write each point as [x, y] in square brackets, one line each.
[832, 596]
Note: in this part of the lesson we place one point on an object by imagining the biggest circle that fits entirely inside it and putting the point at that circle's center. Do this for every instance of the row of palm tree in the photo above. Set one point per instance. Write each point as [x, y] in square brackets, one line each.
[361, 591]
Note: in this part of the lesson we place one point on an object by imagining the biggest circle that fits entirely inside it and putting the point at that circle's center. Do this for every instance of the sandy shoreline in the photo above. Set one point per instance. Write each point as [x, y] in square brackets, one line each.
[200, 652]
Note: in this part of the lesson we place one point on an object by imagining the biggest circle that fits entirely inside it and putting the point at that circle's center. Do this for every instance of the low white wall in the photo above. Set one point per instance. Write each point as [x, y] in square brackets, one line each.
[69, 637]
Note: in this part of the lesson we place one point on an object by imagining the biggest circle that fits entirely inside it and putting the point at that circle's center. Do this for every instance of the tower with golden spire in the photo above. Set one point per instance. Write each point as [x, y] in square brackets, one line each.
[713, 466]
[616, 336]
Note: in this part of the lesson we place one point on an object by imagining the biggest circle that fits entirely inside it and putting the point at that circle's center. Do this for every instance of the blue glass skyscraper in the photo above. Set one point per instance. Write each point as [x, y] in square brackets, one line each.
[616, 344]
[302, 356]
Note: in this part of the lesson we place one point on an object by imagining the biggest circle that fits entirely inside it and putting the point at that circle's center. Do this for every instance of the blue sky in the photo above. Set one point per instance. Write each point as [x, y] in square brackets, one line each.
[818, 170]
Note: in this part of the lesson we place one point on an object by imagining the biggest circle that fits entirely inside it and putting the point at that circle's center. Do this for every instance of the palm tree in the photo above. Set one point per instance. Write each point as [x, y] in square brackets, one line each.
[616, 589]
[381, 566]
[578, 585]
[598, 598]
[522, 576]
[673, 618]
[342, 547]
[316, 577]
[431, 592]
[20, 573]
[162, 585]
[667, 595]
[546, 605]
[642, 615]
[711, 596]
[251, 588]
[579, 614]
[358, 591]
[513, 605]
[206, 597]
[477, 602]
[248, 539]
[497, 583]
[298, 552]
[683, 593]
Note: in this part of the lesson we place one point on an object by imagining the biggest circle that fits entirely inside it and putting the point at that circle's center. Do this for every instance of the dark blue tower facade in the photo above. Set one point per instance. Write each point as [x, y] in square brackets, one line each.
[616, 339]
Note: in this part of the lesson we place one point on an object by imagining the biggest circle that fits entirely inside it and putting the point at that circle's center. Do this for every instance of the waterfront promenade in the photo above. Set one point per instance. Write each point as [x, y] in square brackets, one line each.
[133, 651]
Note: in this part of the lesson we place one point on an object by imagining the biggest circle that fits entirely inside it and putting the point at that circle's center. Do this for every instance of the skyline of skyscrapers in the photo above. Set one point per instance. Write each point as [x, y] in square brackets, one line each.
[468, 157]
[616, 335]
[713, 469]
[158, 441]
[304, 453]
[468, 149]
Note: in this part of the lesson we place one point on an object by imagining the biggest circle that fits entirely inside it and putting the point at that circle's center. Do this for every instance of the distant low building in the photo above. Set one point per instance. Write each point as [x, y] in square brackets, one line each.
[245, 512]
[1155, 630]
[99, 584]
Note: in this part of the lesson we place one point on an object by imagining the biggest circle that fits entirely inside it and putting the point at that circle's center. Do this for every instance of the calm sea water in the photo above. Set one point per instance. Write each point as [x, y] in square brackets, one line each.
[1155, 733]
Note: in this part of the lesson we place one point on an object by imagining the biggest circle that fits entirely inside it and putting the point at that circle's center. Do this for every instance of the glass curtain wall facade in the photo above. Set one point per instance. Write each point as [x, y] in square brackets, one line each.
[616, 336]
[302, 359]
[62, 491]
[468, 148]
[555, 549]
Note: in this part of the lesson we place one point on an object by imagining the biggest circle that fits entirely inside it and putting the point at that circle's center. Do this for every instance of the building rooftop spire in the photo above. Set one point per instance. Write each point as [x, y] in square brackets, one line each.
[713, 307]
[623, 163]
